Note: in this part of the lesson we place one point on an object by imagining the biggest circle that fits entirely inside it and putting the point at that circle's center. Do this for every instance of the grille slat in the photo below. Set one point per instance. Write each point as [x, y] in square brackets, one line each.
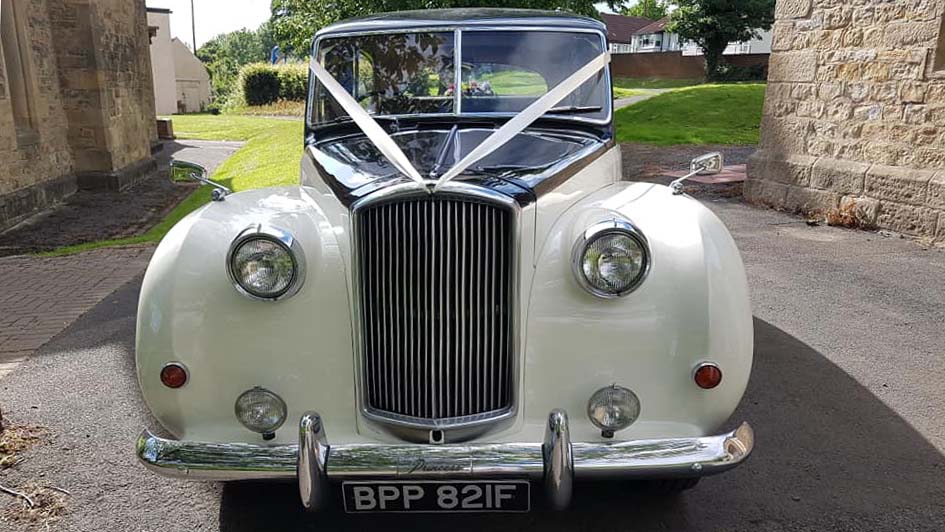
[437, 307]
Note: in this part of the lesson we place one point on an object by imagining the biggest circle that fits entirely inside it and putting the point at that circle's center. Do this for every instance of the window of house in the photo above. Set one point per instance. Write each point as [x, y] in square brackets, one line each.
[16, 65]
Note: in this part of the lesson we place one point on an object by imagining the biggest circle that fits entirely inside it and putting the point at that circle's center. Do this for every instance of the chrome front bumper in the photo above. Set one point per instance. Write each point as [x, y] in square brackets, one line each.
[557, 461]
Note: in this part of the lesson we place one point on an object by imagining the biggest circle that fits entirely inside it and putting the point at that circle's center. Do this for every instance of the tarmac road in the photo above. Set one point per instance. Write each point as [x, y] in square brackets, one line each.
[845, 397]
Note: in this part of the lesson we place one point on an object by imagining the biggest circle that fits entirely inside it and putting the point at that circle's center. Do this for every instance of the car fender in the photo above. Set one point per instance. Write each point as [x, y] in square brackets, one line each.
[190, 312]
[692, 307]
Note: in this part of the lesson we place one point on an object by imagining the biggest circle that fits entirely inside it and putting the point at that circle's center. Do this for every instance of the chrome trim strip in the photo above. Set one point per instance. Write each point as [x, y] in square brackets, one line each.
[312, 461]
[281, 237]
[460, 428]
[597, 230]
[655, 458]
[457, 72]
[459, 28]
[559, 460]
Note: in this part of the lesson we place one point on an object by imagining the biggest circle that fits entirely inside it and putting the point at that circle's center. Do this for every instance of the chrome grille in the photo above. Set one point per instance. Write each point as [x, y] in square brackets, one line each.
[436, 312]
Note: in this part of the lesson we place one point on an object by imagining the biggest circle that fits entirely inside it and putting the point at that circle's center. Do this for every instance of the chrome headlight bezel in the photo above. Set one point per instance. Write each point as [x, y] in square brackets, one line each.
[283, 239]
[597, 231]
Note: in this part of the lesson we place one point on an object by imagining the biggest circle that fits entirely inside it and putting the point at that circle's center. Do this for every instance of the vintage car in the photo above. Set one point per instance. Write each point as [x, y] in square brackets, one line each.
[461, 302]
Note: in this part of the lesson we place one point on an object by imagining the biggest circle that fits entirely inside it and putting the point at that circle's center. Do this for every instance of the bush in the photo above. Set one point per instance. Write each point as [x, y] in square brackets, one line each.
[259, 83]
[293, 82]
[262, 84]
[215, 107]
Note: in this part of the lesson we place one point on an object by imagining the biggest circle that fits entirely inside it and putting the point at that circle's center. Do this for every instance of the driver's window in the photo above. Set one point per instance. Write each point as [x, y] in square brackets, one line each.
[491, 79]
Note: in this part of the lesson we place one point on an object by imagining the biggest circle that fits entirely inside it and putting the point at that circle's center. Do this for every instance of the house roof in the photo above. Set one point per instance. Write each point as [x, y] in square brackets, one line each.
[656, 27]
[619, 27]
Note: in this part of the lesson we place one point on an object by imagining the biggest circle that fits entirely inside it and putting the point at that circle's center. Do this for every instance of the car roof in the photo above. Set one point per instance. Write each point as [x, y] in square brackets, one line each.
[477, 17]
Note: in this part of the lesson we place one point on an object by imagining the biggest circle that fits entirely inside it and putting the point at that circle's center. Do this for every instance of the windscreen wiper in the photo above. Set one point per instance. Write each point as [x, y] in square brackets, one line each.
[502, 168]
[574, 109]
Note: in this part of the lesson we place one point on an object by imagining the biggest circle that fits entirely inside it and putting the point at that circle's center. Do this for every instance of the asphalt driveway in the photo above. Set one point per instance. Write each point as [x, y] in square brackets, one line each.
[845, 397]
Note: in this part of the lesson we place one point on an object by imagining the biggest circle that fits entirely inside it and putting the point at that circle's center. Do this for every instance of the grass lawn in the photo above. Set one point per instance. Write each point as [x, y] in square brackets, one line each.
[515, 83]
[706, 114]
[652, 83]
[270, 157]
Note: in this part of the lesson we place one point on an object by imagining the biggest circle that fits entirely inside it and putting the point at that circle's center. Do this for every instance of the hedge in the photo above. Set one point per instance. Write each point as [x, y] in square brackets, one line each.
[293, 82]
[262, 84]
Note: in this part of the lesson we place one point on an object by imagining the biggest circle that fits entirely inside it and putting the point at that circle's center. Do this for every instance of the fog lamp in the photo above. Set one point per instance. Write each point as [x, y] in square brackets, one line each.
[613, 408]
[260, 410]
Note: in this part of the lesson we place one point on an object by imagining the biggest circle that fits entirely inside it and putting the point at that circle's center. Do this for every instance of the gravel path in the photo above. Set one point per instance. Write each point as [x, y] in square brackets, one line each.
[81, 386]
[646, 162]
[620, 103]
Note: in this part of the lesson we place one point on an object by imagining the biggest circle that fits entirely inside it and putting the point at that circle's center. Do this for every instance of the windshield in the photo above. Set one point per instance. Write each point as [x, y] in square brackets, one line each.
[501, 72]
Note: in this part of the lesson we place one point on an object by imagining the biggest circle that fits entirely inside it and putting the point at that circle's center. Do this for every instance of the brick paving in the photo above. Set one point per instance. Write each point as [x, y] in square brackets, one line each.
[41, 296]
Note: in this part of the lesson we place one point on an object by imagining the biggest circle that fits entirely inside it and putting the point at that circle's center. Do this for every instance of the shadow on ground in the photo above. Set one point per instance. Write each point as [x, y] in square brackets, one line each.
[829, 456]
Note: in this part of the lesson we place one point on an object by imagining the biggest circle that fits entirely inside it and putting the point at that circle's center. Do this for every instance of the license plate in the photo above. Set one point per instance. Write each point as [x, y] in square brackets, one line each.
[436, 496]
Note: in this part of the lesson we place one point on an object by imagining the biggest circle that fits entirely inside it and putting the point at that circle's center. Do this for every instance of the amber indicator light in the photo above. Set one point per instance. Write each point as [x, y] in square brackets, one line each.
[173, 376]
[708, 376]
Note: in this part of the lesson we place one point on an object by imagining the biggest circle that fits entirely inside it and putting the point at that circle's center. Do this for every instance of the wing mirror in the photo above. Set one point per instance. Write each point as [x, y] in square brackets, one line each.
[184, 171]
[708, 164]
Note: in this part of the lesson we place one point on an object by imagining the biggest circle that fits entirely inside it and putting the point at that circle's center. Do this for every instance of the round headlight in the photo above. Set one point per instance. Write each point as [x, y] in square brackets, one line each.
[260, 410]
[613, 408]
[611, 259]
[265, 263]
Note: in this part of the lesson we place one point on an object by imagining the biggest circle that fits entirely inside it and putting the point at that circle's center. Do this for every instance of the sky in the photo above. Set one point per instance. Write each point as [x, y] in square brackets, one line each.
[221, 16]
[213, 16]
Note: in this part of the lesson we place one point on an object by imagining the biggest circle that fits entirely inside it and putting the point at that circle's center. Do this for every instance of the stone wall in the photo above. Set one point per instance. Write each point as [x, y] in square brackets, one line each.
[854, 118]
[46, 157]
[90, 67]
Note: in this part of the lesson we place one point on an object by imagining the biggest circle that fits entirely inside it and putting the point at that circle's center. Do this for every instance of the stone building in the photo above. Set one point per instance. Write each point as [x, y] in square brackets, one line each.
[76, 100]
[854, 118]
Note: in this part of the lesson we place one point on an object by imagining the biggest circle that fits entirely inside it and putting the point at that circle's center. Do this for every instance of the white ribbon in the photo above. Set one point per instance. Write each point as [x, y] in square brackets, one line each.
[496, 140]
[368, 125]
[533, 112]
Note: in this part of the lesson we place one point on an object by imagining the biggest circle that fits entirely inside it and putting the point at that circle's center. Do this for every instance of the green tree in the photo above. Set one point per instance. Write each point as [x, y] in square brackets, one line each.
[226, 53]
[712, 24]
[651, 9]
[294, 22]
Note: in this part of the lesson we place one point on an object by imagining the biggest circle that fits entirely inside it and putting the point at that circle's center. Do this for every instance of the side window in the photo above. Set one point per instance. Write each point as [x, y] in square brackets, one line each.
[16, 65]
[491, 79]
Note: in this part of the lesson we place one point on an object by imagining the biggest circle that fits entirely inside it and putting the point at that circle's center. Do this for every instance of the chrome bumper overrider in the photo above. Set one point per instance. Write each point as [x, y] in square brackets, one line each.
[557, 461]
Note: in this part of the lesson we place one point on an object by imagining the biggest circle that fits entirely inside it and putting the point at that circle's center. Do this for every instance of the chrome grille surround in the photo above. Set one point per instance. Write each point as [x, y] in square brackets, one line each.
[404, 423]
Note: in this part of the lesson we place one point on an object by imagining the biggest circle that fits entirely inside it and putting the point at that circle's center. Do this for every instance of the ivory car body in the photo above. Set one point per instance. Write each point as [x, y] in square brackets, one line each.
[460, 300]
